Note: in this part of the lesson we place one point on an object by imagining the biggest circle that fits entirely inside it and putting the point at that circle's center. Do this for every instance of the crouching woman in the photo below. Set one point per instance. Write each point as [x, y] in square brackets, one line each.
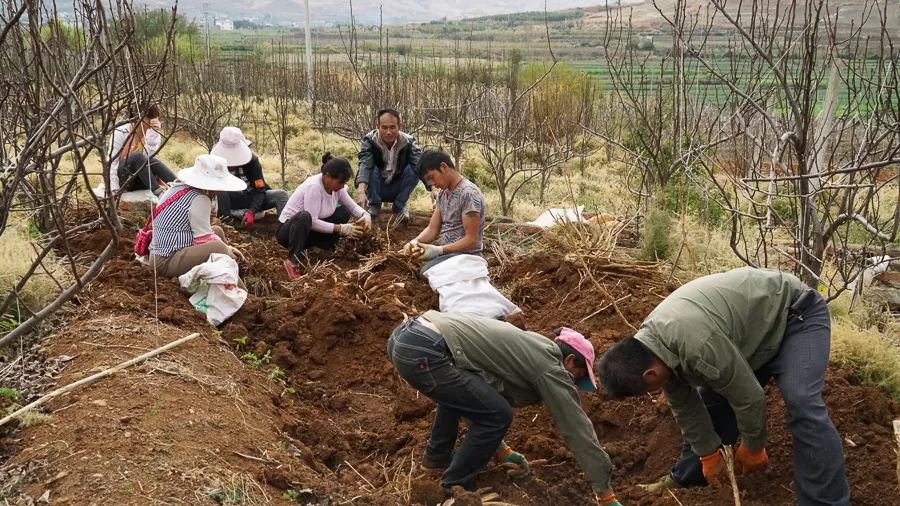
[319, 212]
[183, 234]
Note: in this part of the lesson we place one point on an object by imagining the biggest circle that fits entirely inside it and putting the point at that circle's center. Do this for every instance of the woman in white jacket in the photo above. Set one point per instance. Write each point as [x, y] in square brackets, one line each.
[132, 149]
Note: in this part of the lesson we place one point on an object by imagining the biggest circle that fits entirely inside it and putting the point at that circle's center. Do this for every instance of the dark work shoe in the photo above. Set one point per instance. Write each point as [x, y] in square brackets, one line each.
[374, 210]
[429, 464]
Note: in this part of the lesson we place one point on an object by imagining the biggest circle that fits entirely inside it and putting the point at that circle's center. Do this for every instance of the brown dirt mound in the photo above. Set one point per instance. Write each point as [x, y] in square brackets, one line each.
[349, 427]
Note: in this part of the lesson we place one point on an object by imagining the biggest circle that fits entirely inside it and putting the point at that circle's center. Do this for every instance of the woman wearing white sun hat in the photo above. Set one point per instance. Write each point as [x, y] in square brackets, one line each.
[242, 163]
[183, 235]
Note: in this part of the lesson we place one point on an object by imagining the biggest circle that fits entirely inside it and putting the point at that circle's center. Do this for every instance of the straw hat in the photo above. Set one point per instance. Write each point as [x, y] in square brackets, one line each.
[233, 147]
[210, 172]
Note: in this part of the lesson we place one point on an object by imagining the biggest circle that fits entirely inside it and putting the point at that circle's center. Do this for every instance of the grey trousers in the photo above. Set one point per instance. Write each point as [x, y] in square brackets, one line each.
[820, 477]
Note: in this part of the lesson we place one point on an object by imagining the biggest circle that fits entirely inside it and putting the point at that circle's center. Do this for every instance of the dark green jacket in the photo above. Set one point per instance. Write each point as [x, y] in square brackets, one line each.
[715, 331]
[527, 369]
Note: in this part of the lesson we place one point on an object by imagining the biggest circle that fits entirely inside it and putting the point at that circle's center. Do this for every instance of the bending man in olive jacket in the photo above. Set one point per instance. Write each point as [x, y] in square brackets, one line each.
[728, 334]
[478, 368]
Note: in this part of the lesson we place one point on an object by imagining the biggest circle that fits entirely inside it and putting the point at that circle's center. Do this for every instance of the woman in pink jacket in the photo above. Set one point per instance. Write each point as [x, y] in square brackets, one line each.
[319, 212]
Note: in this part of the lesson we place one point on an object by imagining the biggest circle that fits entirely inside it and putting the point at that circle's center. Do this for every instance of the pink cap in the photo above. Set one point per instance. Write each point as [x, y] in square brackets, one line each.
[586, 349]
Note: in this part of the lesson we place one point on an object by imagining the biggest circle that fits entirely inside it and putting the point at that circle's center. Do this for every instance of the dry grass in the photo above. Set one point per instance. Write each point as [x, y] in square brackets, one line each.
[699, 250]
[228, 488]
[872, 354]
[17, 252]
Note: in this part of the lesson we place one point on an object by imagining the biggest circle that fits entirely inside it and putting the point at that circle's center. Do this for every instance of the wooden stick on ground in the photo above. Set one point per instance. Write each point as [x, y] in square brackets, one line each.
[897, 439]
[95, 377]
[728, 454]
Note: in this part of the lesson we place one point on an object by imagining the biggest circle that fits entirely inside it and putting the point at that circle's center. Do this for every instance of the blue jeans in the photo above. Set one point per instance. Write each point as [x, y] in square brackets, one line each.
[398, 191]
[421, 358]
[799, 370]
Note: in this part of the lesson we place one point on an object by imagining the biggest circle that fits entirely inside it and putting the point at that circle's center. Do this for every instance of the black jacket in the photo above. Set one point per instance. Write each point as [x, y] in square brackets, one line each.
[371, 157]
[252, 174]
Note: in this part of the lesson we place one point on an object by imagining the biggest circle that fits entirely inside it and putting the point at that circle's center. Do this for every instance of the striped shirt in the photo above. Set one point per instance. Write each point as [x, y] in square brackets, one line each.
[182, 221]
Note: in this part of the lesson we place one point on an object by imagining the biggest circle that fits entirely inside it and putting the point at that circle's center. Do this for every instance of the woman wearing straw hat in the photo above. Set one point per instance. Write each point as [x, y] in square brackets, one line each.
[242, 163]
[183, 236]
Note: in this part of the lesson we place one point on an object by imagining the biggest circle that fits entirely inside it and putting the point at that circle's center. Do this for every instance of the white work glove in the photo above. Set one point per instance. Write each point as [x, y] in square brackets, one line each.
[365, 221]
[361, 195]
[350, 230]
[430, 251]
[411, 249]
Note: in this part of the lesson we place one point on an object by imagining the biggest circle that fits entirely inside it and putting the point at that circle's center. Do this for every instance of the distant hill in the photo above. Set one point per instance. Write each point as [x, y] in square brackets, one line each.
[645, 16]
[365, 11]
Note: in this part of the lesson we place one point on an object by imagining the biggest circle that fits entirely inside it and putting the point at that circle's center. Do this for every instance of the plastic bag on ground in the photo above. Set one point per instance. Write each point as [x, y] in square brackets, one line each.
[216, 288]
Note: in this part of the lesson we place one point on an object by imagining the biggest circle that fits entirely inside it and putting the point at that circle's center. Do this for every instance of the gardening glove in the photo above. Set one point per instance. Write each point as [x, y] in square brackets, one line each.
[748, 461]
[430, 251]
[249, 220]
[361, 195]
[608, 500]
[350, 230]
[365, 221]
[713, 467]
[515, 463]
[412, 248]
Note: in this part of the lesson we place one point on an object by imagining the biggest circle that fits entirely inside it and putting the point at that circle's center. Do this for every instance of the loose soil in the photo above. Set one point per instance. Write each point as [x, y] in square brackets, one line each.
[294, 400]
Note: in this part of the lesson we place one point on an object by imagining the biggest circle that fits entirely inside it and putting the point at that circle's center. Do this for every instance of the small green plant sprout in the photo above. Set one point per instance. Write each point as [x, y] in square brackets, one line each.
[254, 361]
[251, 360]
[277, 375]
[289, 390]
[281, 446]
[128, 488]
[240, 341]
[290, 495]
[9, 393]
[154, 410]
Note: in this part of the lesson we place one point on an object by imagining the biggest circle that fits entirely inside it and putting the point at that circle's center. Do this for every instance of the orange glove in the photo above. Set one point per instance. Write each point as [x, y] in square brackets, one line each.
[713, 467]
[748, 461]
[608, 500]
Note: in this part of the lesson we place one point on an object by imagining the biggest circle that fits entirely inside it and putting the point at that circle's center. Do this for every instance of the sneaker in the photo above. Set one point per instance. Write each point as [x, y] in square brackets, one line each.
[374, 210]
[292, 272]
[659, 487]
[403, 215]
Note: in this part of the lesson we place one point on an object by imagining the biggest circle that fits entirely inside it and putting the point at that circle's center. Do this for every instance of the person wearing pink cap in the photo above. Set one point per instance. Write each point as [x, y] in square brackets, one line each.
[478, 369]
[245, 204]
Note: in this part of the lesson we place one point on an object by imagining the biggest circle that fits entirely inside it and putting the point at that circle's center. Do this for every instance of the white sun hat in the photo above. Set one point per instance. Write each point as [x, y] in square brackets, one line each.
[210, 172]
[233, 147]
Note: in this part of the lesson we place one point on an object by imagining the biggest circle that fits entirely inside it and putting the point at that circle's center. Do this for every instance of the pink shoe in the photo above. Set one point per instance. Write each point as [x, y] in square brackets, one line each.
[292, 271]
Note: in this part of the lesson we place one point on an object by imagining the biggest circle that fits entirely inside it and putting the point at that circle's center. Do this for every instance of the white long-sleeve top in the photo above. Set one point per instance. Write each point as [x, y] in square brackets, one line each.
[152, 142]
[311, 197]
